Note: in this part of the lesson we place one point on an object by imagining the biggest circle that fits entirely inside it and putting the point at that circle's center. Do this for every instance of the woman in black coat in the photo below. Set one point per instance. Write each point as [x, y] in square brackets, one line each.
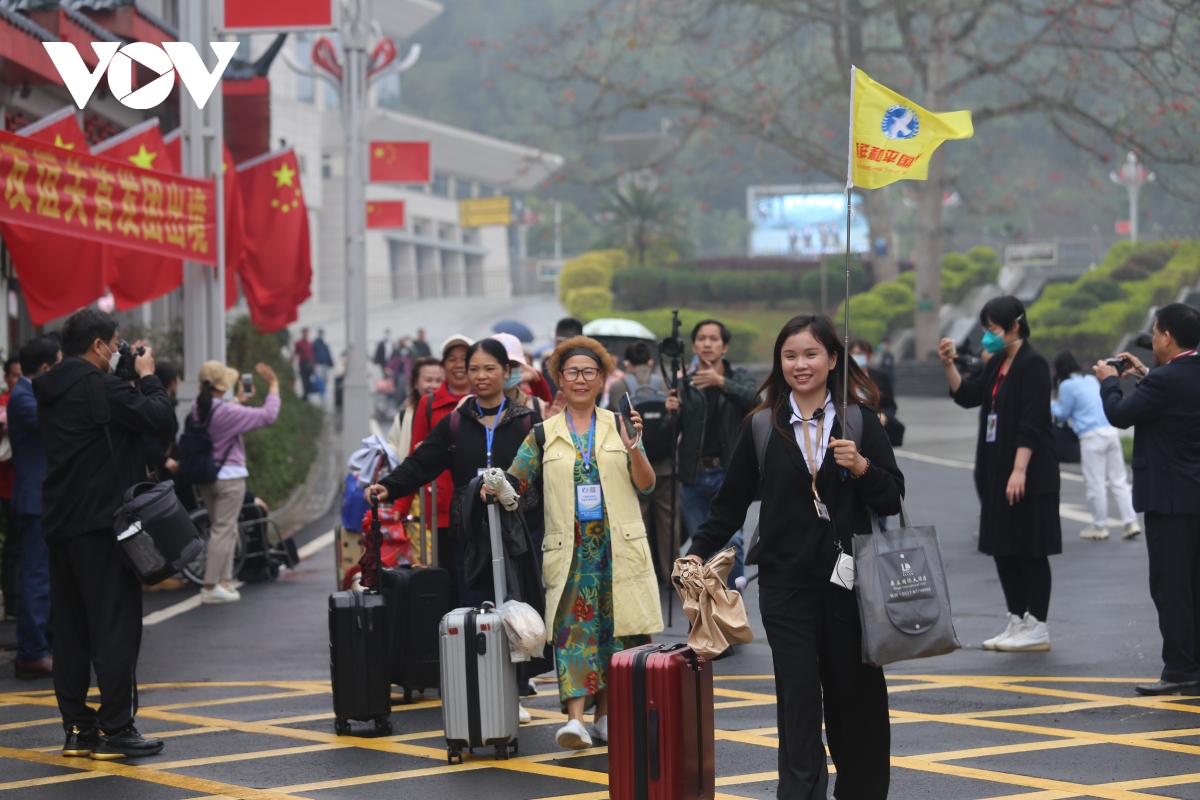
[812, 625]
[1016, 469]
[460, 443]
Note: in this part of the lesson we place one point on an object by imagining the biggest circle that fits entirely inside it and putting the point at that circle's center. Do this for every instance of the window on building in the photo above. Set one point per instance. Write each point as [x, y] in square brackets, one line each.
[441, 184]
[326, 166]
[387, 93]
[486, 191]
[305, 88]
[462, 188]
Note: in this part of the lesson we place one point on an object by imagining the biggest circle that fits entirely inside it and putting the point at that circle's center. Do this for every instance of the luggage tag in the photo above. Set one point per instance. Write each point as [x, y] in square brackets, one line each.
[589, 501]
[991, 427]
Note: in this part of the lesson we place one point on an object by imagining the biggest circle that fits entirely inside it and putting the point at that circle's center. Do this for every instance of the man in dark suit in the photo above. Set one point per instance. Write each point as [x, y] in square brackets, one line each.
[1166, 484]
[29, 468]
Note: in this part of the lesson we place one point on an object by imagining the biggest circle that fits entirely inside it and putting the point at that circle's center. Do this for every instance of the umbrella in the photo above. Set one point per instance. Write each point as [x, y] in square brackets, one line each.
[517, 329]
[625, 328]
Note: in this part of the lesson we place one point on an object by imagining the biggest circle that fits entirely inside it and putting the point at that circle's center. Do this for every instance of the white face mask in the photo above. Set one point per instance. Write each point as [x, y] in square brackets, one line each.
[113, 359]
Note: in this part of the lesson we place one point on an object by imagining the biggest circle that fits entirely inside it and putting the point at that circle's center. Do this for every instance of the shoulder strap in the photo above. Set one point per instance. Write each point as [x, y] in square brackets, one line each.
[455, 421]
[537, 407]
[539, 436]
[631, 382]
[428, 399]
[852, 427]
[527, 421]
[760, 426]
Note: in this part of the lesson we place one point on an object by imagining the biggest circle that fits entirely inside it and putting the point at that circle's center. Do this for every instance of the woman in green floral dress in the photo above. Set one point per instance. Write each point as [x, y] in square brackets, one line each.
[602, 594]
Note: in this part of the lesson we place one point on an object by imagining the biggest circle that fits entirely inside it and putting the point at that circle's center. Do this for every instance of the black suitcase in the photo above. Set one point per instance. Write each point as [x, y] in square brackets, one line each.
[359, 637]
[418, 597]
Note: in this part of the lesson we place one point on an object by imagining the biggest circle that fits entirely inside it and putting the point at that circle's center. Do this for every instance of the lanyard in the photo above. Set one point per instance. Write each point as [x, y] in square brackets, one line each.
[587, 452]
[812, 455]
[490, 432]
[997, 386]
[1183, 355]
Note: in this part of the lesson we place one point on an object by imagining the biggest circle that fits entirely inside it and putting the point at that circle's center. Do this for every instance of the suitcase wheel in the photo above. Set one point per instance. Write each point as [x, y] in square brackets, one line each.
[513, 746]
[454, 754]
[383, 727]
[341, 727]
[502, 752]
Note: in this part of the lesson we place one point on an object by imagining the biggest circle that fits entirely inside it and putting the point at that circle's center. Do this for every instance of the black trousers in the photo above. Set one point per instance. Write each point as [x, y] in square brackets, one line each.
[1026, 582]
[96, 611]
[816, 646]
[1173, 542]
[10, 560]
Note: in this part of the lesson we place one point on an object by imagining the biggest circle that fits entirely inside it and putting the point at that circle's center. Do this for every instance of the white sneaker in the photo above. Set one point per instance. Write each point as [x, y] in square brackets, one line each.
[573, 736]
[1092, 532]
[1014, 625]
[600, 729]
[219, 594]
[1033, 636]
[1131, 530]
[522, 715]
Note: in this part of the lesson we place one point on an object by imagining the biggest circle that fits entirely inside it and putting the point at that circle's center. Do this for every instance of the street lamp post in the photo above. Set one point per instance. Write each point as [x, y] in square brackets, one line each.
[360, 66]
[1133, 176]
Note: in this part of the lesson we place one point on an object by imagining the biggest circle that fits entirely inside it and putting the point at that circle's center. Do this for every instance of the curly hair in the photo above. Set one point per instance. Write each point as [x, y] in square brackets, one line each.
[607, 364]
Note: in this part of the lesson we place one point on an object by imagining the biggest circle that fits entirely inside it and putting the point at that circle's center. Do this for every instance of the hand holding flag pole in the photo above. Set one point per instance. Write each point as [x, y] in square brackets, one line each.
[891, 139]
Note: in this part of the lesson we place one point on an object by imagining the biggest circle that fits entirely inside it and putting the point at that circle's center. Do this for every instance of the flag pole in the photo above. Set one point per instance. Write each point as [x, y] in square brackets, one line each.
[846, 309]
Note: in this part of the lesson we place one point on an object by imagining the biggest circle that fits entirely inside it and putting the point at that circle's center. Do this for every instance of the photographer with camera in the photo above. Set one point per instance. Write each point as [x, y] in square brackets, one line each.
[712, 400]
[1166, 482]
[92, 423]
[225, 423]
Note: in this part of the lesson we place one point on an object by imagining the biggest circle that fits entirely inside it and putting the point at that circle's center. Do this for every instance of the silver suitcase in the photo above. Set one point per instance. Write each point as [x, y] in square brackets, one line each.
[479, 679]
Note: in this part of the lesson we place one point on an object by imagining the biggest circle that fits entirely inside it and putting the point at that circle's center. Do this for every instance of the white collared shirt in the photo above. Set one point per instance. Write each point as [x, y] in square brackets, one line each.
[820, 443]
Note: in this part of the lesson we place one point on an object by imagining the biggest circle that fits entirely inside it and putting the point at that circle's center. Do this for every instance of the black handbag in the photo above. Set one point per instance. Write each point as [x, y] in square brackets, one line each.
[155, 533]
[1066, 444]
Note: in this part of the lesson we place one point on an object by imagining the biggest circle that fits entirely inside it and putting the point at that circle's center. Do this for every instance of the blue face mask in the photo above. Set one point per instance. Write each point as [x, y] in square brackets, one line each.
[513, 380]
[993, 343]
[860, 359]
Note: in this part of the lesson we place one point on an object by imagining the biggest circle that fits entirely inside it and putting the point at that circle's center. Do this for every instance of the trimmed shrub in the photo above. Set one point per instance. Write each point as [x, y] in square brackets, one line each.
[957, 263]
[771, 287]
[1081, 301]
[589, 302]
[686, 288]
[588, 270]
[658, 320]
[1102, 290]
[640, 287]
[1063, 316]
[730, 287]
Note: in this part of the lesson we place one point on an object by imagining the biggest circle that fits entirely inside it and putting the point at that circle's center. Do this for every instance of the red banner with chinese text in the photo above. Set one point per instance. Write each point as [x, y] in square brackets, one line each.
[106, 201]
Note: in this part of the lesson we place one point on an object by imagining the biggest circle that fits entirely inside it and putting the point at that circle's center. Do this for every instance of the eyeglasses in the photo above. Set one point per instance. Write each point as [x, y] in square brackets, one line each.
[588, 373]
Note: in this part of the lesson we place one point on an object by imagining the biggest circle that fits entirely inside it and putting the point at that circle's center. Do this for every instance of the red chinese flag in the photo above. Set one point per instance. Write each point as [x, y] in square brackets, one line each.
[400, 162]
[235, 236]
[278, 16]
[58, 274]
[385, 214]
[135, 277]
[277, 267]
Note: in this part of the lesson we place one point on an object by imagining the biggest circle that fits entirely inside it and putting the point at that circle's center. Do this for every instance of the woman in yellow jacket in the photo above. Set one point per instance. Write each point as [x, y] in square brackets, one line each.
[601, 592]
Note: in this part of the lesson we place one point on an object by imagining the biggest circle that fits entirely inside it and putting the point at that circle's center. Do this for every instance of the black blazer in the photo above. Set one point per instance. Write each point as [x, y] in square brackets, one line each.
[1022, 420]
[795, 548]
[887, 399]
[1165, 407]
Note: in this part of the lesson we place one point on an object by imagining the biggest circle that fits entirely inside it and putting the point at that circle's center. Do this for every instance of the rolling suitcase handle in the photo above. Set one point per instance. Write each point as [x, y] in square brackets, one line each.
[433, 524]
[498, 577]
[377, 535]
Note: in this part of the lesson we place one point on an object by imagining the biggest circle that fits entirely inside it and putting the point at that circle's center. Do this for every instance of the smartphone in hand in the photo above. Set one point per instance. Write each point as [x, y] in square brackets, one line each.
[247, 383]
[626, 408]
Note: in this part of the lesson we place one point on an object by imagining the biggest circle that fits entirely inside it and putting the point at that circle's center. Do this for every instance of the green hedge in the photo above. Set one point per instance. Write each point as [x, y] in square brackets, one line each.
[589, 301]
[1090, 316]
[279, 457]
[743, 334]
[640, 288]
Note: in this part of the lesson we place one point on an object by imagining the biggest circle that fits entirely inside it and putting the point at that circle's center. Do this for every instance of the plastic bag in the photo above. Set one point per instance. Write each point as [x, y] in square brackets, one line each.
[525, 628]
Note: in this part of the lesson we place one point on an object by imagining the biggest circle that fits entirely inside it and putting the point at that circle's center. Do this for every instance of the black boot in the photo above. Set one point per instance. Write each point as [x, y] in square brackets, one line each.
[126, 743]
[79, 743]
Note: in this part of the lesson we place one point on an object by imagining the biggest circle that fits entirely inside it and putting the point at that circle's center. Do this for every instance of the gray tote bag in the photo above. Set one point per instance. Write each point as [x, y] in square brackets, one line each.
[903, 601]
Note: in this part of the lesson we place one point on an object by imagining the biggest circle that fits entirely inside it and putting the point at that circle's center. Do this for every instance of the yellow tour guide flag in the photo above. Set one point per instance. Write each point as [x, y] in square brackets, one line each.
[891, 137]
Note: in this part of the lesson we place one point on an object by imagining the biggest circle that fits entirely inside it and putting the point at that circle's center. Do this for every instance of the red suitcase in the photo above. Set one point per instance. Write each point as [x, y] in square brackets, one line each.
[660, 724]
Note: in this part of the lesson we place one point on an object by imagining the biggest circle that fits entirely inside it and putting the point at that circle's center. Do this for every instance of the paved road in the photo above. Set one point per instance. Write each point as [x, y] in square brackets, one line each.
[241, 692]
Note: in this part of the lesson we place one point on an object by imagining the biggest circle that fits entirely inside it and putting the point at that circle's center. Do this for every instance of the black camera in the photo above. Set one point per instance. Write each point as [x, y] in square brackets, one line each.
[672, 346]
[125, 365]
[1121, 364]
[1144, 340]
[968, 364]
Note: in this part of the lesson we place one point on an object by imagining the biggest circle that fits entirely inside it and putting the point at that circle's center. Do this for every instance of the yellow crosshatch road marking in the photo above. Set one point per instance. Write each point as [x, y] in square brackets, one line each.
[1071, 700]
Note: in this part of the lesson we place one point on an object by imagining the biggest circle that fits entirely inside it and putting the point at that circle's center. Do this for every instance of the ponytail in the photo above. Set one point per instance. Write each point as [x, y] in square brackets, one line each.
[205, 400]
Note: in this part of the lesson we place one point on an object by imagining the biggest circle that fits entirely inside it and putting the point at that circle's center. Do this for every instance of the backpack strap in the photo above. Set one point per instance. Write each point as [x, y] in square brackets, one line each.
[539, 436]
[527, 421]
[455, 421]
[760, 428]
[428, 401]
[537, 407]
[631, 383]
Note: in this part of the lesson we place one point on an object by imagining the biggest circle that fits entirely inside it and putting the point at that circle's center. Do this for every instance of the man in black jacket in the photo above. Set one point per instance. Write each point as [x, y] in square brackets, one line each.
[92, 425]
[1166, 484]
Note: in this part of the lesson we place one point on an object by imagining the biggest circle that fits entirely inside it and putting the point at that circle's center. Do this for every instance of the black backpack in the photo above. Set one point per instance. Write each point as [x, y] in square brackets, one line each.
[658, 429]
[196, 463]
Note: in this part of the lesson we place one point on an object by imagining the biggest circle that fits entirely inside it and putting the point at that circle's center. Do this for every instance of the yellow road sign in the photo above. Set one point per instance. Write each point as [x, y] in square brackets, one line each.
[481, 211]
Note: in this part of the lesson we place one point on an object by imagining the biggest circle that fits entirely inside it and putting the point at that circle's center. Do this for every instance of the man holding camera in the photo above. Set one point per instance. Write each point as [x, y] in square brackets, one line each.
[713, 400]
[1166, 482]
[94, 408]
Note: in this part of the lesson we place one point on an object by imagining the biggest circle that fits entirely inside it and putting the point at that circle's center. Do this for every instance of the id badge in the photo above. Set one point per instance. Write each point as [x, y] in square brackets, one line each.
[589, 502]
[822, 511]
[991, 427]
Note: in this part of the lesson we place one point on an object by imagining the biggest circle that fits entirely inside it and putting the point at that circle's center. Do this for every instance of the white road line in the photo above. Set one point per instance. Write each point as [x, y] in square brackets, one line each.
[951, 462]
[315, 546]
